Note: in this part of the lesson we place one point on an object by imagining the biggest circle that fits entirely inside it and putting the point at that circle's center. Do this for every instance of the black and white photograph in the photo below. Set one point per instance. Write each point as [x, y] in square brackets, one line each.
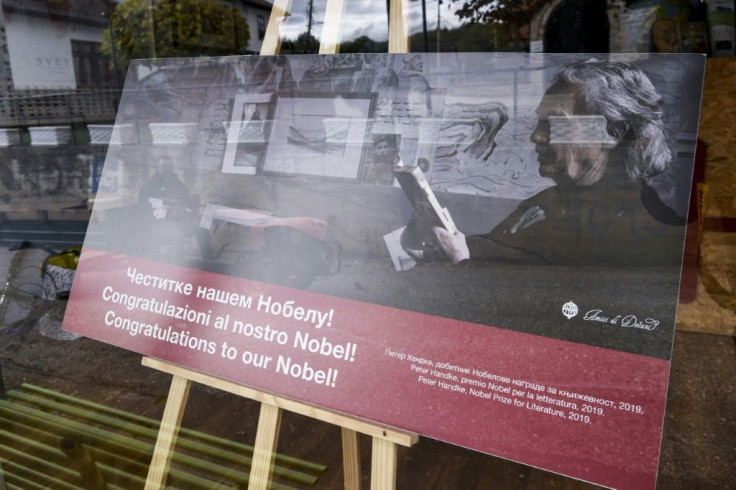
[381, 157]
[464, 244]
[247, 133]
[565, 177]
[319, 135]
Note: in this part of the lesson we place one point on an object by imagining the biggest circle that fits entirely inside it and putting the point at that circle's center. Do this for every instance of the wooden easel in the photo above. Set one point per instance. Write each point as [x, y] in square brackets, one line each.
[385, 439]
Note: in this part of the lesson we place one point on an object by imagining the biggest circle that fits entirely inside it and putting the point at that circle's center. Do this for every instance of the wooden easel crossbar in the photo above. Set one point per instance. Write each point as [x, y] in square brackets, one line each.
[385, 439]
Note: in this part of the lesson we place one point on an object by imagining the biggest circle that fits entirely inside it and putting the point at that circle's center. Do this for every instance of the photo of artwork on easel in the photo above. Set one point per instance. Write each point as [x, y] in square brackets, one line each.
[526, 282]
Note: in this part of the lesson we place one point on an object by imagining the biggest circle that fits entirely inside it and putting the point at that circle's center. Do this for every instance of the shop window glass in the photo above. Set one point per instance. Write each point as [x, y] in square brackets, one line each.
[56, 125]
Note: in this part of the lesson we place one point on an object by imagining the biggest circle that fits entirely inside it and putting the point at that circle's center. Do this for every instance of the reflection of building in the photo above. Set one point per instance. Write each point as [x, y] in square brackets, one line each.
[51, 68]
[256, 13]
[54, 72]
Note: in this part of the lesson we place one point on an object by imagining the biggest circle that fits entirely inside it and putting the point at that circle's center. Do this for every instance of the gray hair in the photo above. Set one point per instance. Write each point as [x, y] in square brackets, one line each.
[625, 96]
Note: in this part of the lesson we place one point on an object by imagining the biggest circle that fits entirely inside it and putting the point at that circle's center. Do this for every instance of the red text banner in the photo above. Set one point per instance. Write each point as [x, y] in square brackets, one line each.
[593, 413]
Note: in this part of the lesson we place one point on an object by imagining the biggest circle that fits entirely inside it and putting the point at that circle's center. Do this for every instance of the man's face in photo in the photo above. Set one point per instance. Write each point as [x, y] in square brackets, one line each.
[568, 164]
[383, 151]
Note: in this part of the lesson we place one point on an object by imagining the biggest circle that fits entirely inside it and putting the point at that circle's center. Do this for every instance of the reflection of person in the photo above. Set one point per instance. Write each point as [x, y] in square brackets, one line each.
[176, 206]
[164, 184]
[381, 167]
[601, 210]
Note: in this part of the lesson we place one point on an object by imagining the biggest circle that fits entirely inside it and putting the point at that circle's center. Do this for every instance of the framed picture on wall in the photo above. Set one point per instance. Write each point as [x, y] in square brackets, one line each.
[321, 135]
[247, 133]
[381, 156]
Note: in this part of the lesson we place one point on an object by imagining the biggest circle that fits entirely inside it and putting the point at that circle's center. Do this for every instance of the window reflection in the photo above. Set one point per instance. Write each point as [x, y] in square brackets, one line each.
[63, 64]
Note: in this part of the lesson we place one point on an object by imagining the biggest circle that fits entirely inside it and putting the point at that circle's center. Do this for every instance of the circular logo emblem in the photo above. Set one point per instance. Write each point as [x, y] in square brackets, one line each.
[569, 309]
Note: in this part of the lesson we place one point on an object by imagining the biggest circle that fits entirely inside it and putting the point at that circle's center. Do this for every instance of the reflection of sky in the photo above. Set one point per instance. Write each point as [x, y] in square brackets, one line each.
[366, 18]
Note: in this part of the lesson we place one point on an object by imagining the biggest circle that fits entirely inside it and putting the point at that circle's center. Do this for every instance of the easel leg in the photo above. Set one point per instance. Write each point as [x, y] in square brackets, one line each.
[350, 459]
[383, 465]
[170, 423]
[272, 40]
[264, 450]
[398, 37]
[330, 40]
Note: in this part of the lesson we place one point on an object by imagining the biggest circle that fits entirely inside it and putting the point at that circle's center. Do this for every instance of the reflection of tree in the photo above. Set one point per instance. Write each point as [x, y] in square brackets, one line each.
[465, 38]
[305, 43]
[364, 44]
[514, 15]
[515, 12]
[173, 28]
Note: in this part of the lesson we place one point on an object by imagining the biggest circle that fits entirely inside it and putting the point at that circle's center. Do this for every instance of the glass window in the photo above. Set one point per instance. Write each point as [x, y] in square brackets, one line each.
[91, 68]
[261, 27]
[66, 400]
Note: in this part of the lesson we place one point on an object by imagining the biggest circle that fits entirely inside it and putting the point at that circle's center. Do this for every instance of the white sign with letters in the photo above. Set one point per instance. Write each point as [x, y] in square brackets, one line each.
[40, 54]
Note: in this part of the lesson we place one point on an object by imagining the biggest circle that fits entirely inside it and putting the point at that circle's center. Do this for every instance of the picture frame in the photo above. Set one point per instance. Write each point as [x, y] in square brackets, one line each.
[380, 158]
[248, 133]
[320, 134]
